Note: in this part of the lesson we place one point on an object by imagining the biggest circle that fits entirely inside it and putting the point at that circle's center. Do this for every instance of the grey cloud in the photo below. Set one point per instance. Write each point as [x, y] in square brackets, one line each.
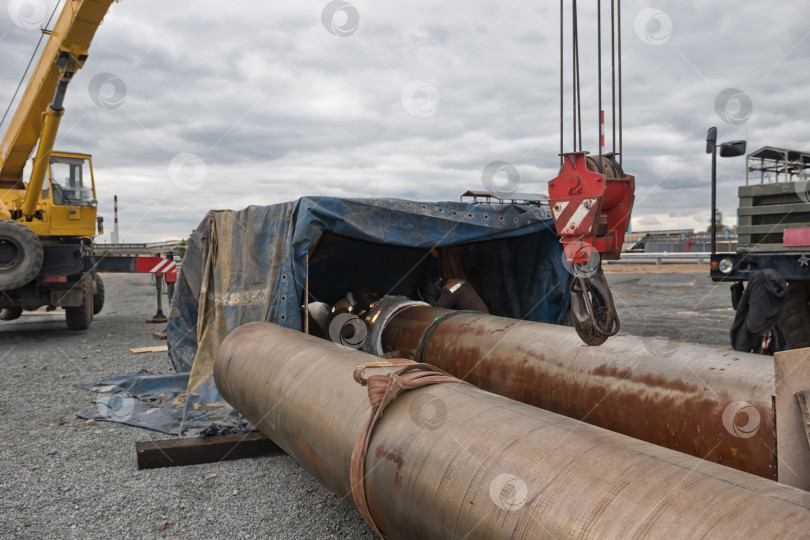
[277, 107]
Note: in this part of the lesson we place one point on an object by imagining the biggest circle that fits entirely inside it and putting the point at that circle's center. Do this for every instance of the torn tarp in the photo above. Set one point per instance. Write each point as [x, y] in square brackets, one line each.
[142, 398]
[251, 265]
[158, 401]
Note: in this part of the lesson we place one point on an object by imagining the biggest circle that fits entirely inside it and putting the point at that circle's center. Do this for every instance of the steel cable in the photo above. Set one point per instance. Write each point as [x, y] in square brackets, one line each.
[30, 61]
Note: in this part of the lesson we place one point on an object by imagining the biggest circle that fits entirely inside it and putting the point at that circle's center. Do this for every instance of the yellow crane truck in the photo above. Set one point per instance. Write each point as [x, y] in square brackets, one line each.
[47, 221]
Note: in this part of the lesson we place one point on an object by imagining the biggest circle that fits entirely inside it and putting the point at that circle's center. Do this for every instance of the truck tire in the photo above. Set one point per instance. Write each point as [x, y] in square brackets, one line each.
[21, 255]
[795, 318]
[80, 317]
[98, 297]
[10, 313]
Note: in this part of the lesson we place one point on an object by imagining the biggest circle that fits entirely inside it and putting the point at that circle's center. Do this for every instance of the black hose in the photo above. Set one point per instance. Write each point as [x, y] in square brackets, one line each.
[599, 75]
[562, 114]
[613, 73]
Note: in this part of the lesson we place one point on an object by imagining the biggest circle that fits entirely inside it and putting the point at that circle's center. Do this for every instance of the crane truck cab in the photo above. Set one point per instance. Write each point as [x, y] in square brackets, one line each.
[69, 197]
[67, 203]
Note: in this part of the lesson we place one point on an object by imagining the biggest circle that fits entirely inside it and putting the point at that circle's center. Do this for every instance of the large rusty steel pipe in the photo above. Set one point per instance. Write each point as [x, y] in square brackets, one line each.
[710, 403]
[453, 461]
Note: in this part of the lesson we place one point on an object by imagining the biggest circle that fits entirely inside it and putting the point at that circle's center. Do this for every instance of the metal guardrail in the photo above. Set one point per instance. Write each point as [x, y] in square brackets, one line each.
[166, 244]
[143, 249]
[702, 257]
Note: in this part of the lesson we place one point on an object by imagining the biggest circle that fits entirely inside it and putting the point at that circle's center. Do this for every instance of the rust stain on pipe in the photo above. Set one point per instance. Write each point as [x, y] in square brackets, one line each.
[675, 398]
[486, 467]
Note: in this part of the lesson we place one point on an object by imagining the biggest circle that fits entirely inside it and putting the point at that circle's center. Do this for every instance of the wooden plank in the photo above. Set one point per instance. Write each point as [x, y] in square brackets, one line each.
[744, 245]
[763, 229]
[743, 240]
[156, 348]
[196, 450]
[160, 336]
[767, 190]
[802, 398]
[777, 209]
[746, 202]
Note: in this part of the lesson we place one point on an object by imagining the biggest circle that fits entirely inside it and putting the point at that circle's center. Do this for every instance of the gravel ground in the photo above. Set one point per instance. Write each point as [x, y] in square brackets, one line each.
[680, 306]
[64, 478]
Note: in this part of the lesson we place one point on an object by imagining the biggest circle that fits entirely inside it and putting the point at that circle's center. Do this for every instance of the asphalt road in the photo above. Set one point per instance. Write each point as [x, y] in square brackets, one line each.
[64, 478]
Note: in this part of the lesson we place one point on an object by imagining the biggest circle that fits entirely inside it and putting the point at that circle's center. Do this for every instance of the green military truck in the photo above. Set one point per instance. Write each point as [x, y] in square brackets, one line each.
[774, 232]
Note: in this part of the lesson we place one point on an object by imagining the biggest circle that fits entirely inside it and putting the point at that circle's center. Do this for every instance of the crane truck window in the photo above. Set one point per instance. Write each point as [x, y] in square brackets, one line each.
[70, 179]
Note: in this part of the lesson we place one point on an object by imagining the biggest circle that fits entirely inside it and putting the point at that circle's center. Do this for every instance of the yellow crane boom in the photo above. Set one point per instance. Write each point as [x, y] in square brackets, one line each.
[63, 55]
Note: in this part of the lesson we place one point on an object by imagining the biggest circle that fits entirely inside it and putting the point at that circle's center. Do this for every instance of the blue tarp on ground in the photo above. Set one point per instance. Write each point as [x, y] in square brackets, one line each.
[251, 265]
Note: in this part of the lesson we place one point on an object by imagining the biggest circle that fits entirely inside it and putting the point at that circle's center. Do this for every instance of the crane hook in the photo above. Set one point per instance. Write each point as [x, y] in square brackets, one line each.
[592, 307]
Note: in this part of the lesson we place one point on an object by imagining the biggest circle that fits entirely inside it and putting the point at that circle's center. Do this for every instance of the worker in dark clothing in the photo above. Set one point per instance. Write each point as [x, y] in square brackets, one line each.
[452, 294]
[755, 326]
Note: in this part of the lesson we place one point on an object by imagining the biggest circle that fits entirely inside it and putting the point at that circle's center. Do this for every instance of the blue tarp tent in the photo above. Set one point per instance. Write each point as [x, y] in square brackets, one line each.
[252, 265]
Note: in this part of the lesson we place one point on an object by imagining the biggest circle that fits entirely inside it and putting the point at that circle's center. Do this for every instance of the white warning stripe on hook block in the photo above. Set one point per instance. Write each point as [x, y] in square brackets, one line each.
[558, 209]
[582, 210]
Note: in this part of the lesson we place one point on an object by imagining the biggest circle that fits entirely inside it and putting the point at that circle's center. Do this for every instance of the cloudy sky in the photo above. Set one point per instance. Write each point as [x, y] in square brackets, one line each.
[189, 106]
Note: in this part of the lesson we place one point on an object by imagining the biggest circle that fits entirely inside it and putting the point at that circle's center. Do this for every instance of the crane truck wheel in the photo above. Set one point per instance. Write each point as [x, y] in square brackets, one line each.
[795, 318]
[98, 297]
[80, 317]
[21, 255]
[10, 313]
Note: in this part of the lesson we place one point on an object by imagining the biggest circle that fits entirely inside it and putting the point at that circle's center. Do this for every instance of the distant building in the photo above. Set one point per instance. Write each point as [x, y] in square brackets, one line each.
[679, 241]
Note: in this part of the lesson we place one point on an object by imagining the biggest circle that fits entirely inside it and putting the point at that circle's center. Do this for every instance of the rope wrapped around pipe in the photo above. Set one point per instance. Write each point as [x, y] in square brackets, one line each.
[382, 390]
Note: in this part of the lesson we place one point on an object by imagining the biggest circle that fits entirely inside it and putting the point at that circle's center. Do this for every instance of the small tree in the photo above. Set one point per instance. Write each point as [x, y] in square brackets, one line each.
[182, 246]
[718, 219]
